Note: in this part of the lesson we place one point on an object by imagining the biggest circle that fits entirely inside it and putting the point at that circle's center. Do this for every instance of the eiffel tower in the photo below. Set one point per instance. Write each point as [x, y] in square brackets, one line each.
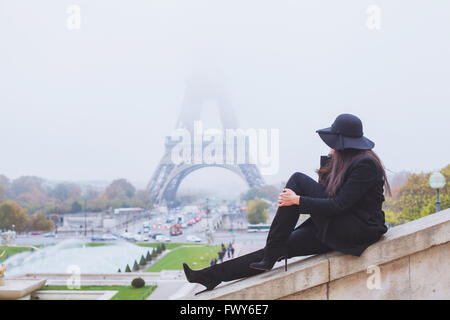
[167, 177]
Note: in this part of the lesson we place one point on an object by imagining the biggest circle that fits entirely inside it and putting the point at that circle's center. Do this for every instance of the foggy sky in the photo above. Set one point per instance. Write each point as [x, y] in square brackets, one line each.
[96, 103]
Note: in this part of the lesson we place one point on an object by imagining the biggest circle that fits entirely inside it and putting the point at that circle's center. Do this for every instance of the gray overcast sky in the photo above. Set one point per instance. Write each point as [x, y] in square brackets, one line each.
[96, 103]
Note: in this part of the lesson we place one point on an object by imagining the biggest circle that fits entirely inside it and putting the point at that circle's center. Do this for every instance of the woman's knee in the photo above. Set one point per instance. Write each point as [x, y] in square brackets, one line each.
[295, 180]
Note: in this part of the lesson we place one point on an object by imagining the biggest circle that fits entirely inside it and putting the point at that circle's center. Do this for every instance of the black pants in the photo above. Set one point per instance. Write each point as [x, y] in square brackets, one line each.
[301, 242]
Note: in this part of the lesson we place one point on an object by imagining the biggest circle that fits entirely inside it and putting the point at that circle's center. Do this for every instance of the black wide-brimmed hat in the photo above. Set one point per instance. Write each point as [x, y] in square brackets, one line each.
[346, 132]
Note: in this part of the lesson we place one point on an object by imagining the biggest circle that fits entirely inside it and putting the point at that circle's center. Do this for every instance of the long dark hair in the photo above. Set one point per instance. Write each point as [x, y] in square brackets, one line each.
[331, 175]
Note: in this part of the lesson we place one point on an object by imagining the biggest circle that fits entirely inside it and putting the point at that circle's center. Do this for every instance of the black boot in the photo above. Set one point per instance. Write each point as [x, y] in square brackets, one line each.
[282, 226]
[203, 277]
[230, 270]
[269, 260]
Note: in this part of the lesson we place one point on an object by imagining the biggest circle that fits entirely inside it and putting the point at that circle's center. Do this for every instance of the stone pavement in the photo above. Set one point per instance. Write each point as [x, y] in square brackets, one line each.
[166, 289]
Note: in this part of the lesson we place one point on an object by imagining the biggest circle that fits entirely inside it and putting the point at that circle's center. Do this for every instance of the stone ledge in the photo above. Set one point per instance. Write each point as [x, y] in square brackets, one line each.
[398, 242]
[14, 289]
[73, 295]
[315, 276]
[301, 275]
[105, 279]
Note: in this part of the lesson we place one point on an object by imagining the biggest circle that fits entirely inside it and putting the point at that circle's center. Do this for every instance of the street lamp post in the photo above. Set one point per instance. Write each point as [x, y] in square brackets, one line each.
[208, 231]
[207, 213]
[437, 181]
[85, 218]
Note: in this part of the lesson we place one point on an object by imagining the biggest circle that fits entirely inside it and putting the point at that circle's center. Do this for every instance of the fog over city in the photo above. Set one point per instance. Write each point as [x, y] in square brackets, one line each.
[96, 104]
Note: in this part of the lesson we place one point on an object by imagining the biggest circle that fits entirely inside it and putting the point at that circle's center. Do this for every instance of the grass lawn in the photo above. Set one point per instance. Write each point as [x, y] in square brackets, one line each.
[196, 257]
[169, 245]
[124, 292]
[11, 251]
[97, 244]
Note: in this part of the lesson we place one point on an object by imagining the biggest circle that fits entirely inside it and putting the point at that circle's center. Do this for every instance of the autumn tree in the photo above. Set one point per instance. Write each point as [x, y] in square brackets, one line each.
[32, 194]
[257, 211]
[12, 214]
[415, 198]
[4, 187]
[120, 188]
[66, 191]
[26, 184]
[39, 222]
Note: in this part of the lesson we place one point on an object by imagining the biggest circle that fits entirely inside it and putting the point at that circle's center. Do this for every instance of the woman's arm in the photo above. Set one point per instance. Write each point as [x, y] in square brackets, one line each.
[363, 175]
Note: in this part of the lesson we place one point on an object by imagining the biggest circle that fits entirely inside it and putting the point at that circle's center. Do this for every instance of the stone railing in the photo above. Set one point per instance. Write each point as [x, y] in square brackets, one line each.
[411, 261]
[104, 279]
[7, 238]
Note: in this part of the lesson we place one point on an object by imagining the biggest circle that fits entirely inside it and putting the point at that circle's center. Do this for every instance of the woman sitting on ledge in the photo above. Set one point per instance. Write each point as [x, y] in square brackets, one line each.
[345, 208]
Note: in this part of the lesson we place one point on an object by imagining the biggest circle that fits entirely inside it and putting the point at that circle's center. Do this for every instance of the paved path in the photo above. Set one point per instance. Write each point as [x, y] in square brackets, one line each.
[166, 289]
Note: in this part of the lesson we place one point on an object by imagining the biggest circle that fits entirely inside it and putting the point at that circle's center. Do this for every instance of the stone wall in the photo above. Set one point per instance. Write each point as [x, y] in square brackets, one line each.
[409, 262]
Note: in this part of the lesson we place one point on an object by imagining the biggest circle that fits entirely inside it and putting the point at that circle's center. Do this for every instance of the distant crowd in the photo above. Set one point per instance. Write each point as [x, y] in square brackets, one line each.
[229, 250]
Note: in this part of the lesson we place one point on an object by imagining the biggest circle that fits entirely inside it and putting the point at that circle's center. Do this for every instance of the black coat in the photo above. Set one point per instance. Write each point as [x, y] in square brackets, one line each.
[353, 219]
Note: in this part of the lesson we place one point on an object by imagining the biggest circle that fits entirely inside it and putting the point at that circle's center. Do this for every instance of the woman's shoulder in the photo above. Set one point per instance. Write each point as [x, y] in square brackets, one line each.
[365, 159]
[366, 163]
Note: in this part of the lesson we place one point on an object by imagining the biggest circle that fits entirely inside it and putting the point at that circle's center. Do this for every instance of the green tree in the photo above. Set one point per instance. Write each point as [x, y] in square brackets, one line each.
[257, 211]
[148, 256]
[143, 262]
[135, 266]
[76, 207]
[431, 207]
[415, 198]
[392, 218]
[127, 268]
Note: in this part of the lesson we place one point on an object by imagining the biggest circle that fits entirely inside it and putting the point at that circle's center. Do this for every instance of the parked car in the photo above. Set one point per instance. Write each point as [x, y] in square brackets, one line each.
[139, 237]
[96, 238]
[192, 238]
[109, 237]
[50, 235]
[127, 236]
[162, 238]
[156, 234]
[35, 233]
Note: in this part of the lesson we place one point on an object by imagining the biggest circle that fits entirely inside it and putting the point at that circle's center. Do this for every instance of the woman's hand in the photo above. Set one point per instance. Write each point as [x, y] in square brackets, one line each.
[288, 198]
